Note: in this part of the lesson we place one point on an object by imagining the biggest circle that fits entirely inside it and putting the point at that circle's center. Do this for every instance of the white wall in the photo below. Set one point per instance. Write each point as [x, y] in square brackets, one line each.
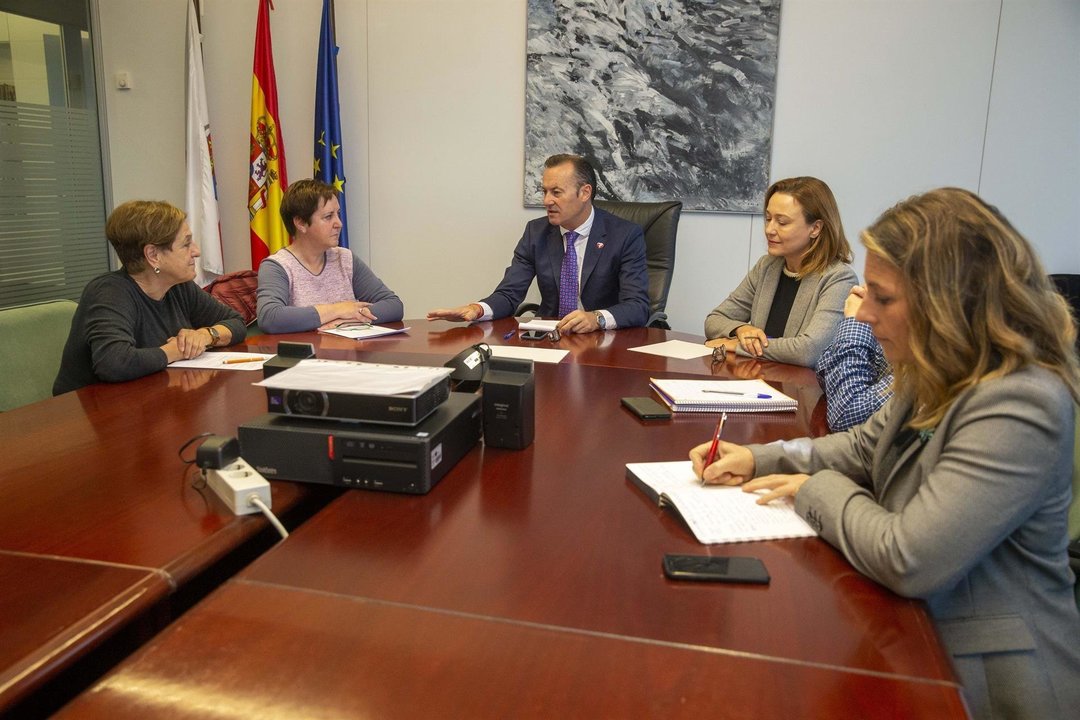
[1031, 167]
[146, 123]
[880, 98]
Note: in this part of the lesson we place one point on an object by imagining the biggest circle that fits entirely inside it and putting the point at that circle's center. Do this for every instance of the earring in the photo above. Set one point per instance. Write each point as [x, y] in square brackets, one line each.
[157, 271]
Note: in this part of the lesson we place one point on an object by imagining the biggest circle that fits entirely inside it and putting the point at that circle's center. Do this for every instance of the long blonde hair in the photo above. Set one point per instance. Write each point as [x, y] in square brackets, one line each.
[979, 303]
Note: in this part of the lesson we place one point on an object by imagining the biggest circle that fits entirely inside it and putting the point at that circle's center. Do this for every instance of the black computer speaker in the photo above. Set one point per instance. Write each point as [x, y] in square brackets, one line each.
[509, 392]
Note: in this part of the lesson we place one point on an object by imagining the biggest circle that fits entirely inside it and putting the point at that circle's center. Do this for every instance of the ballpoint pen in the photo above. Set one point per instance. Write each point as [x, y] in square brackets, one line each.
[509, 335]
[710, 458]
[760, 396]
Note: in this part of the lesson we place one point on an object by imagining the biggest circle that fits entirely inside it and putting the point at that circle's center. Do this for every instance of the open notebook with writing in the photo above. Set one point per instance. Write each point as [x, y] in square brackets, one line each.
[716, 513]
[721, 395]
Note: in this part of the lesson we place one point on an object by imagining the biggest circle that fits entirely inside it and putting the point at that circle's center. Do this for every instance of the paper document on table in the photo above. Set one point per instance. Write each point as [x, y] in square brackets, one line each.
[347, 376]
[360, 331]
[224, 361]
[519, 352]
[679, 349]
[541, 325]
[717, 513]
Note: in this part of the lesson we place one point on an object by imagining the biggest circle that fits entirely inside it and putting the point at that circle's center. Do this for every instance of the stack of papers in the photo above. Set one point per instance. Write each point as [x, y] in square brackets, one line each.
[345, 376]
[722, 396]
[224, 361]
[541, 325]
[360, 331]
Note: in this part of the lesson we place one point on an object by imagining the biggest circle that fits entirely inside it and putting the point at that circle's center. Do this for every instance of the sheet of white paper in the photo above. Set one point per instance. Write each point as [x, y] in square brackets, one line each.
[529, 353]
[220, 361]
[534, 324]
[346, 376]
[360, 331]
[679, 349]
[721, 513]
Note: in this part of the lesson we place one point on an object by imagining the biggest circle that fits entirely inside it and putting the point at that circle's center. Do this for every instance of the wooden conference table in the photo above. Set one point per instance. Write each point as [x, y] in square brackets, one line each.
[103, 539]
[528, 583]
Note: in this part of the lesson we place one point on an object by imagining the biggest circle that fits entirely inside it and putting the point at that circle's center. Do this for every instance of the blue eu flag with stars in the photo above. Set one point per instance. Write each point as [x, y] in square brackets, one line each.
[329, 166]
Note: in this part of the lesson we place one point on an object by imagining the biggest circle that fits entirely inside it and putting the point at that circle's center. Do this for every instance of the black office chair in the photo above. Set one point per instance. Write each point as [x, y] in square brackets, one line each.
[1069, 287]
[660, 221]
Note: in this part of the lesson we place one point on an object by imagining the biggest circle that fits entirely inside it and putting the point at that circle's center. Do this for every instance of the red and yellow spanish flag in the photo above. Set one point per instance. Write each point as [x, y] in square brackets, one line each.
[267, 180]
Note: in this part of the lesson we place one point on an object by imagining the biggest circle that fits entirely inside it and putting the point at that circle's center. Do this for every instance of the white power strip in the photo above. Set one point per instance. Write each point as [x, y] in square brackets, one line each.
[237, 484]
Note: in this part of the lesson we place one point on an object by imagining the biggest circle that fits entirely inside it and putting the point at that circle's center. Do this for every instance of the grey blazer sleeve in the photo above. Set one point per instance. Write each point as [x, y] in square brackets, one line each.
[818, 307]
[991, 463]
[736, 309]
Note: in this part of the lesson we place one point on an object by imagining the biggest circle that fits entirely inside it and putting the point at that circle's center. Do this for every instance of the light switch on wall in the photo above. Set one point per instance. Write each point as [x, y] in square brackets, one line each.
[123, 80]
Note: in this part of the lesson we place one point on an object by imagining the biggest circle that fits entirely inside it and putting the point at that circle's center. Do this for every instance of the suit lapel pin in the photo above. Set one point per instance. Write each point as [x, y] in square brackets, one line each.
[599, 246]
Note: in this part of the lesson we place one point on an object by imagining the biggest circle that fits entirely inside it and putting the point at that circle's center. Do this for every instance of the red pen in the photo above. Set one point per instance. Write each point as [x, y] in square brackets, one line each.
[711, 457]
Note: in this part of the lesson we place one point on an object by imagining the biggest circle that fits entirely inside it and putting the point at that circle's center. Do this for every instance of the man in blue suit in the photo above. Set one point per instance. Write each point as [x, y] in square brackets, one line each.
[599, 284]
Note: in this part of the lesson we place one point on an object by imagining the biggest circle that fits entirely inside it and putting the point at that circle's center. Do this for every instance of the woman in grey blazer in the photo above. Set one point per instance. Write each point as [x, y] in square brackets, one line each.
[787, 307]
[957, 491]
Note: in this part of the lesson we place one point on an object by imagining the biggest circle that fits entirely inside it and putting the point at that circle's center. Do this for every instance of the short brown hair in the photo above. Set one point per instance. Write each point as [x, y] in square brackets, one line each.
[818, 203]
[583, 169]
[301, 200]
[979, 303]
[137, 223]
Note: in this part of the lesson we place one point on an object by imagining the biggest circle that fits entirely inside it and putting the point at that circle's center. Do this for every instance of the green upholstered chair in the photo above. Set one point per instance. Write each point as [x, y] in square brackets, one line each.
[32, 340]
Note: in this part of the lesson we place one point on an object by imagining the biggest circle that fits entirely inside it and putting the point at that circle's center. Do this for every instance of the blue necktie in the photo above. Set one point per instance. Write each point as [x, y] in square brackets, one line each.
[568, 281]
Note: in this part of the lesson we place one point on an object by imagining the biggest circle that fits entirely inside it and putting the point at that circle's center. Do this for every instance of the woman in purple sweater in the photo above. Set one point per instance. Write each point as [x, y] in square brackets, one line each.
[313, 282]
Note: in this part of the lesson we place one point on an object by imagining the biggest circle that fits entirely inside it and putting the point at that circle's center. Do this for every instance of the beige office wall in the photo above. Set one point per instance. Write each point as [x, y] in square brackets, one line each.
[881, 98]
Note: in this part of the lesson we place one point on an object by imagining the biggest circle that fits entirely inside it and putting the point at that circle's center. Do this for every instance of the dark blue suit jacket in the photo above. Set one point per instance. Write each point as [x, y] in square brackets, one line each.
[613, 272]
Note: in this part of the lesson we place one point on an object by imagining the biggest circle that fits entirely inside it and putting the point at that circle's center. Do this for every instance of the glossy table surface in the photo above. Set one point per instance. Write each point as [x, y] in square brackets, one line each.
[95, 474]
[251, 650]
[53, 609]
[94, 477]
[443, 340]
[528, 583]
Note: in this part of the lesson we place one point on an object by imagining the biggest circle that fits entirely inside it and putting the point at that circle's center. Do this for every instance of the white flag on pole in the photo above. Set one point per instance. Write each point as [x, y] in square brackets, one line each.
[202, 207]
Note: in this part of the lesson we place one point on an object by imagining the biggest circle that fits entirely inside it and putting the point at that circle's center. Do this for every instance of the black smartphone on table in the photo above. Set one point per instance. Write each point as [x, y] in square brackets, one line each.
[552, 335]
[646, 408]
[716, 569]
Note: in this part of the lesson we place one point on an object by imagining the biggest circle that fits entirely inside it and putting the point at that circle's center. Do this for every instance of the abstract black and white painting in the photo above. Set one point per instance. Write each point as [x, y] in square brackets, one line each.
[670, 99]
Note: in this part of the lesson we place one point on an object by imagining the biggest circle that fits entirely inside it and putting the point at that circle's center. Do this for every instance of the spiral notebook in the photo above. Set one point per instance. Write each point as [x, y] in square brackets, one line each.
[721, 396]
[716, 513]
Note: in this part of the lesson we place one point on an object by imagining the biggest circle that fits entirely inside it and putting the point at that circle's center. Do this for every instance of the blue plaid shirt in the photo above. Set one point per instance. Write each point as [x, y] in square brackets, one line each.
[855, 375]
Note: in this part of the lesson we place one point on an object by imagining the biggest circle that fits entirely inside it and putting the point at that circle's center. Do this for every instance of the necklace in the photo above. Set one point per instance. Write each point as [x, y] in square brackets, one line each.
[313, 270]
[789, 273]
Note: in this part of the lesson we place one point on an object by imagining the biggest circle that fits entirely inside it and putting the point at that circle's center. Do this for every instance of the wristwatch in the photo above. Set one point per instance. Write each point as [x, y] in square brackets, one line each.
[601, 320]
[214, 335]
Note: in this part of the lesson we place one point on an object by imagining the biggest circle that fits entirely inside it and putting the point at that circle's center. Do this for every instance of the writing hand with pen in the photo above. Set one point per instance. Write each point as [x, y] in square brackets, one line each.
[724, 463]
